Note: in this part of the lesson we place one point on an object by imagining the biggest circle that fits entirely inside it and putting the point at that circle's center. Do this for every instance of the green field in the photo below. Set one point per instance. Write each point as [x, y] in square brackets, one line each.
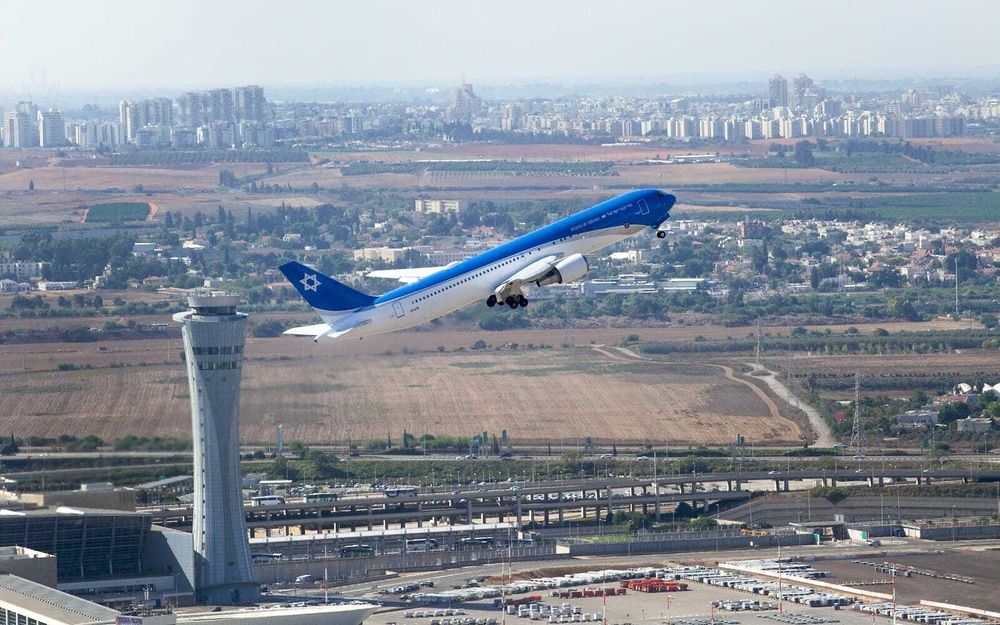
[118, 211]
[975, 206]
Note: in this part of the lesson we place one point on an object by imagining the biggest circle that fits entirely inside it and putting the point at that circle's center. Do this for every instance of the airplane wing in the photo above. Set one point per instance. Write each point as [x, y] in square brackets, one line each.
[534, 271]
[406, 276]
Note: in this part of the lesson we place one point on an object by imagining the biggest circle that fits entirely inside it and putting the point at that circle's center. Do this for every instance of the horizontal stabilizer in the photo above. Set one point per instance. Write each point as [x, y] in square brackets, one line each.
[311, 331]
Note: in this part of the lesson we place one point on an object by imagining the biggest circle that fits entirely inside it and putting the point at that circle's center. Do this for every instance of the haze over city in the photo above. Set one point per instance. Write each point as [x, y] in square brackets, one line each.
[116, 45]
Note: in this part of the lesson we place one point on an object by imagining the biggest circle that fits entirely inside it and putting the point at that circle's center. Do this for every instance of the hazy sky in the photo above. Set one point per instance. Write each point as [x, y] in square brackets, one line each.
[71, 45]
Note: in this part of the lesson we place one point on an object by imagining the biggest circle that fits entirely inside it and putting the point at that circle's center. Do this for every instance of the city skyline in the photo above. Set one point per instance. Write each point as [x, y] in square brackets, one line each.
[390, 43]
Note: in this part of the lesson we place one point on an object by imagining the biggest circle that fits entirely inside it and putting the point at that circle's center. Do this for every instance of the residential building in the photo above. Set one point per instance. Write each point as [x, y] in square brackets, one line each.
[438, 206]
[777, 89]
[20, 128]
[466, 105]
[973, 424]
[922, 417]
[248, 103]
[21, 269]
[51, 128]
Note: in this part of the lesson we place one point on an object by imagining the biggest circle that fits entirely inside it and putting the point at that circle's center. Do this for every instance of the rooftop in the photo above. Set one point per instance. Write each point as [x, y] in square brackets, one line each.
[51, 603]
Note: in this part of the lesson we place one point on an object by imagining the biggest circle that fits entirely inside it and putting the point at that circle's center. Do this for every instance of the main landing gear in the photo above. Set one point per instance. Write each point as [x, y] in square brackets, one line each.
[514, 301]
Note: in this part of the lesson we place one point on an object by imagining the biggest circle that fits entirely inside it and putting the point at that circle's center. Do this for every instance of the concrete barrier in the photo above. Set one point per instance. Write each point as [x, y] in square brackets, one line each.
[961, 608]
[690, 541]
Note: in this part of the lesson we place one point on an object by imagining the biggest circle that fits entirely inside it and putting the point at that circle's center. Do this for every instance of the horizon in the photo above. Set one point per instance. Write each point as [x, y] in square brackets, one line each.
[395, 45]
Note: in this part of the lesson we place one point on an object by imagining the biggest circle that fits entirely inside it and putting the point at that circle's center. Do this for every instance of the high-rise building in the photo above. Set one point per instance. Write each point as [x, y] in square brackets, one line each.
[248, 103]
[51, 128]
[135, 115]
[467, 104]
[191, 109]
[214, 335]
[801, 86]
[777, 89]
[93, 134]
[20, 129]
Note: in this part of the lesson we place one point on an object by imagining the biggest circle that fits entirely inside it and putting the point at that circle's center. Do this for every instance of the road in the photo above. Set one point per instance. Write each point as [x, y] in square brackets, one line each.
[820, 428]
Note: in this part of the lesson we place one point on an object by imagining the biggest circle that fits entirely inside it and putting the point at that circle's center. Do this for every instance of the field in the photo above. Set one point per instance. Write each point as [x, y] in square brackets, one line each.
[322, 396]
[118, 211]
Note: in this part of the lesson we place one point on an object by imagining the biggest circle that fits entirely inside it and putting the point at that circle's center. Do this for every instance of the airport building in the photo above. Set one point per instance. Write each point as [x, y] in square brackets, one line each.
[214, 334]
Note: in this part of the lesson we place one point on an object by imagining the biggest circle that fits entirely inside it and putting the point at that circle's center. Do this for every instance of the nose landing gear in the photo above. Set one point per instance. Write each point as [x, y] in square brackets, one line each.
[661, 234]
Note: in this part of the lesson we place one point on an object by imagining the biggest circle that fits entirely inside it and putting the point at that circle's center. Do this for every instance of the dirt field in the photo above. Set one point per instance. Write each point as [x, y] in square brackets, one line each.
[320, 397]
[49, 178]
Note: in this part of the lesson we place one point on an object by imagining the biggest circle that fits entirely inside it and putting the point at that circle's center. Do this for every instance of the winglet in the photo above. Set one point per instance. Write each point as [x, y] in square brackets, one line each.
[323, 292]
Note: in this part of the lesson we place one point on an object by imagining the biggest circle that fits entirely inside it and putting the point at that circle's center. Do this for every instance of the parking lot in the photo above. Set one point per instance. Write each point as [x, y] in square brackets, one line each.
[690, 607]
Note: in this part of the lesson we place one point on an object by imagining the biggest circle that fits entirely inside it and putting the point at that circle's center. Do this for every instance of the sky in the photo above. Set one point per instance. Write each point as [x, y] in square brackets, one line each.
[73, 45]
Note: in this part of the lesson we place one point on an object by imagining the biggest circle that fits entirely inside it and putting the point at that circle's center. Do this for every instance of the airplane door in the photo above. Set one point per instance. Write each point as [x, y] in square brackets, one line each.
[643, 207]
[397, 310]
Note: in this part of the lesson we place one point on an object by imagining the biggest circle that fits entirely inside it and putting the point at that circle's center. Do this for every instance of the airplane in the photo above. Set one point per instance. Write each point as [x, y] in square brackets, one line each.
[553, 254]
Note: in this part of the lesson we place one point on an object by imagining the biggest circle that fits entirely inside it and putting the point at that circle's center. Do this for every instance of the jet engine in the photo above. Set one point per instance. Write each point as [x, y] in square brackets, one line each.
[568, 269]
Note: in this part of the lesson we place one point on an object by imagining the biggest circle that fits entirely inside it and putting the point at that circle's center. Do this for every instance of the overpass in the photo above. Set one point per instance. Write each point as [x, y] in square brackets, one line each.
[552, 501]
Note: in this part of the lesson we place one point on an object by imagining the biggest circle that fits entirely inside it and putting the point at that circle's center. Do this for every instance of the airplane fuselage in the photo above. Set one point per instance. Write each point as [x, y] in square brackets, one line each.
[475, 279]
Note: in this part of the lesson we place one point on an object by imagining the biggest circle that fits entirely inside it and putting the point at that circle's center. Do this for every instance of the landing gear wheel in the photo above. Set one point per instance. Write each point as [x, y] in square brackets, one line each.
[511, 301]
[491, 301]
[661, 234]
[522, 301]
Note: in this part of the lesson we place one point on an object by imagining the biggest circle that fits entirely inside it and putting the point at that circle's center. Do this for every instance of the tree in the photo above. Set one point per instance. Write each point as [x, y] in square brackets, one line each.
[31, 185]
[703, 523]
[318, 465]
[8, 447]
[804, 154]
[953, 411]
[902, 308]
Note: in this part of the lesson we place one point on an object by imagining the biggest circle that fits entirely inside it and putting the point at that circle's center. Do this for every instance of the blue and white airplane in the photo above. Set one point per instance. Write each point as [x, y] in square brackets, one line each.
[553, 254]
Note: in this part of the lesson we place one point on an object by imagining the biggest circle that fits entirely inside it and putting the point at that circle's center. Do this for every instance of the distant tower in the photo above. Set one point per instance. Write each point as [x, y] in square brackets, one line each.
[213, 349]
[279, 448]
[857, 432]
[777, 91]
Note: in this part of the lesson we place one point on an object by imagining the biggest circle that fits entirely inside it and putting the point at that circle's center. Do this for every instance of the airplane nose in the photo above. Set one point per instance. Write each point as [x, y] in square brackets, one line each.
[667, 200]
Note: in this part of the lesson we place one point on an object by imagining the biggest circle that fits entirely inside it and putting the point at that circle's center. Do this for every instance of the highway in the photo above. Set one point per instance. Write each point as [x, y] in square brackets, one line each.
[539, 502]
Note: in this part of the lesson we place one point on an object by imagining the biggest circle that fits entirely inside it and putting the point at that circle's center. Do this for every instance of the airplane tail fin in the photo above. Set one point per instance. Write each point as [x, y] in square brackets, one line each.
[323, 292]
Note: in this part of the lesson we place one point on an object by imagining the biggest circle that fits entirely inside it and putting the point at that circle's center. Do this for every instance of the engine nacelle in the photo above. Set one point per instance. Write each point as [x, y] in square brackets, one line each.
[569, 269]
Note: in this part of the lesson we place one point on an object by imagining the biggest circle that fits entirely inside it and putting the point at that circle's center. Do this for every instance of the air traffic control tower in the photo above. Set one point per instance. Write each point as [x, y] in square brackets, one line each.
[214, 335]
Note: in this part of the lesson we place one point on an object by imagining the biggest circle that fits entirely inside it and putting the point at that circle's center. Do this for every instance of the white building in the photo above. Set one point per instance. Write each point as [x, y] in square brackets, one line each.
[51, 129]
[20, 130]
[52, 285]
[438, 206]
[21, 269]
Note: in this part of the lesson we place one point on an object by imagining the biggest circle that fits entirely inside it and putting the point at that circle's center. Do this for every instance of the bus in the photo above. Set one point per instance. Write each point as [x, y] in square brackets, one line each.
[266, 557]
[483, 542]
[421, 544]
[407, 491]
[267, 500]
[357, 551]
[322, 497]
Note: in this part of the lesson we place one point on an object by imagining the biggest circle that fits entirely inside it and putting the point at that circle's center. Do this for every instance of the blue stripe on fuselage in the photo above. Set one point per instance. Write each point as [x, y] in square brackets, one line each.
[607, 214]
